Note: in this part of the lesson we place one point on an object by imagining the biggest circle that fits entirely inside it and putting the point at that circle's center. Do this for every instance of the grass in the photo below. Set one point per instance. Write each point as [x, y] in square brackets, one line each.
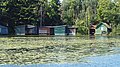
[42, 50]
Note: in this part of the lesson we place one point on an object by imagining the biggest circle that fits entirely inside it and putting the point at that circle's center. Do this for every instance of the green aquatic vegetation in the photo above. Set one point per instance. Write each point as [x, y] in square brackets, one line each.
[35, 50]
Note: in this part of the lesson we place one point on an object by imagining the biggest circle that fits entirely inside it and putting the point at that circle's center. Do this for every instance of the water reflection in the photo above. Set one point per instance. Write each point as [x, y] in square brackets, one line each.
[92, 37]
[67, 38]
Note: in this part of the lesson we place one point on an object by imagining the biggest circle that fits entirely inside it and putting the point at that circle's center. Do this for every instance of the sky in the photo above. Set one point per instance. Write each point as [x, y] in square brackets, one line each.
[61, 0]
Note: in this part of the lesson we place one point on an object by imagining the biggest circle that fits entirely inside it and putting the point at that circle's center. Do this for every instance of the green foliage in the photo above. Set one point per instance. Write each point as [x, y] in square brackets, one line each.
[109, 10]
[19, 12]
[52, 12]
[80, 13]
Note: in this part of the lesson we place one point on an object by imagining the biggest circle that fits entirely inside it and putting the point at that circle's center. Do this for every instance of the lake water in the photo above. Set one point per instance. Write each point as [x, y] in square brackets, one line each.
[110, 56]
[98, 61]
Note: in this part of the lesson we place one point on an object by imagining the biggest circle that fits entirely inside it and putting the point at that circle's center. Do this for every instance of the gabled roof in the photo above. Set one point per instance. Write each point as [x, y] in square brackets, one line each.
[72, 27]
[101, 23]
[54, 26]
[29, 26]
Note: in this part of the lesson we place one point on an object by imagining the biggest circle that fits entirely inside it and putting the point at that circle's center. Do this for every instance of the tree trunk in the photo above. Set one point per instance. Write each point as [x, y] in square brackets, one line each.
[11, 28]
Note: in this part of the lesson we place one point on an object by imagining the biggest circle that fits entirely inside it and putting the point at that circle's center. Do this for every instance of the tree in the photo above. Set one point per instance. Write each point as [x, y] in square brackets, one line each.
[3, 11]
[53, 13]
[109, 10]
[68, 11]
[19, 12]
[80, 13]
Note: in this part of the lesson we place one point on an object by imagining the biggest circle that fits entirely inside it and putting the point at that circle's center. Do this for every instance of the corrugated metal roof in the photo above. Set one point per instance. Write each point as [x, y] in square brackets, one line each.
[28, 26]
